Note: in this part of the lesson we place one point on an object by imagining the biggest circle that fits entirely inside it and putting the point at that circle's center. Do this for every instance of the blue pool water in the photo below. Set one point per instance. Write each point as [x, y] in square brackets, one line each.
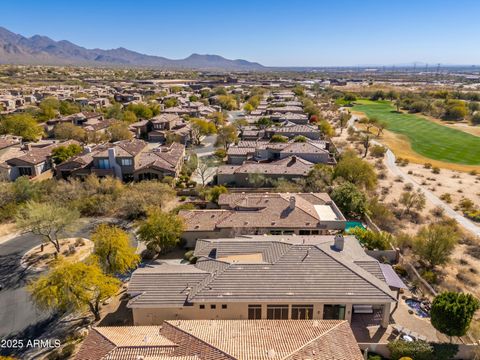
[353, 224]
[415, 306]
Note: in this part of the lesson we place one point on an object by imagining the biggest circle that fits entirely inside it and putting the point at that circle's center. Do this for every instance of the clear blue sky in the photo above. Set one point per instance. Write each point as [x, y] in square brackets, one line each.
[275, 33]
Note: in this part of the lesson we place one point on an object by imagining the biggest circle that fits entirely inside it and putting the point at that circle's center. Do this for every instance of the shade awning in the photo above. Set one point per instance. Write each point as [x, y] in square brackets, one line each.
[391, 277]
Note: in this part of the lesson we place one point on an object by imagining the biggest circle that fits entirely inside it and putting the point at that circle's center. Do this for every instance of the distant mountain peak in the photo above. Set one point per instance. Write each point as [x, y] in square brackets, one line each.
[39, 49]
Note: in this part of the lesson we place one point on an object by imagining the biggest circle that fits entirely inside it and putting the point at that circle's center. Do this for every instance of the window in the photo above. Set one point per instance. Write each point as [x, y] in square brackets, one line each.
[126, 162]
[334, 312]
[288, 232]
[302, 312]
[277, 312]
[202, 306]
[224, 306]
[304, 232]
[254, 312]
[275, 232]
[25, 171]
[213, 306]
[314, 232]
[104, 164]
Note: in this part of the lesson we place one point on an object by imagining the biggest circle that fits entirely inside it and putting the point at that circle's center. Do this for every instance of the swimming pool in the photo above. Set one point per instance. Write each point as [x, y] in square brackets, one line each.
[416, 305]
[353, 224]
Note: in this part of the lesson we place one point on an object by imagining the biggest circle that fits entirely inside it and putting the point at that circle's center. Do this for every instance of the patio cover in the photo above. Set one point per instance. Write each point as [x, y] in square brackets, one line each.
[391, 277]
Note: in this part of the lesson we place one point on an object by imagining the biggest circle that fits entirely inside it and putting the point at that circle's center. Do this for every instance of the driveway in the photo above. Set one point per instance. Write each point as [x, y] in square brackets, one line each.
[434, 199]
[17, 312]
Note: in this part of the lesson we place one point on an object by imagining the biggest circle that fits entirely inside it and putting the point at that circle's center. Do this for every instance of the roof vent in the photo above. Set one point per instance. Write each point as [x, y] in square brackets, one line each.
[271, 354]
[338, 242]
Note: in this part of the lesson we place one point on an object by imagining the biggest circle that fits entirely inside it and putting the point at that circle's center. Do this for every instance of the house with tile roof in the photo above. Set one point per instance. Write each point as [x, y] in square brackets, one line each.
[127, 160]
[223, 340]
[274, 277]
[254, 173]
[314, 151]
[264, 213]
[33, 161]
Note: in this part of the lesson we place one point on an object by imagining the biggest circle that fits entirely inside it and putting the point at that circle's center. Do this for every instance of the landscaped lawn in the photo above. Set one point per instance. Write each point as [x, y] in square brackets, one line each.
[426, 137]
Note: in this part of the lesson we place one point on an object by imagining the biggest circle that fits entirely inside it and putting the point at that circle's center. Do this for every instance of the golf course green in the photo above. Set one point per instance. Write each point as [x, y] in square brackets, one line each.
[426, 137]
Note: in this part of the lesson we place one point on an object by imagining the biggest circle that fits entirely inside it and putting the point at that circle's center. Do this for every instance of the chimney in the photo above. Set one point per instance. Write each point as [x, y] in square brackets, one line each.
[28, 147]
[292, 161]
[291, 206]
[338, 242]
[88, 149]
[111, 156]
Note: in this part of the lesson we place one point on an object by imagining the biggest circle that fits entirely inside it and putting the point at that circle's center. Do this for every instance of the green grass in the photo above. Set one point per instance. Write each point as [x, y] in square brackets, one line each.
[426, 137]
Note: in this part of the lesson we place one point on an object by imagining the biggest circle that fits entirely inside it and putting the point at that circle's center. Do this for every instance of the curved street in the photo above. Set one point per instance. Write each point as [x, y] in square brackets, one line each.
[434, 199]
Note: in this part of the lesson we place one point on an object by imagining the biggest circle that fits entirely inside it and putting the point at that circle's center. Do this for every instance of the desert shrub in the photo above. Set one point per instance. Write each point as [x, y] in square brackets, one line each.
[446, 197]
[427, 166]
[430, 277]
[372, 240]
[436, 170]
[188, 255]
[378, 151]
[79, 242]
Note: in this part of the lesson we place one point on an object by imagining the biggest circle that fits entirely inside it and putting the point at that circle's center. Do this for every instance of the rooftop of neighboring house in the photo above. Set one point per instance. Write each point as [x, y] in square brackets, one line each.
[162, 158]
[264, 210]
[291, 165]
[36, 154]
[124, 148]
[291, 127]
[223, 340]
[265, 268]
[7, 140]
[309, 146]
[163, 118]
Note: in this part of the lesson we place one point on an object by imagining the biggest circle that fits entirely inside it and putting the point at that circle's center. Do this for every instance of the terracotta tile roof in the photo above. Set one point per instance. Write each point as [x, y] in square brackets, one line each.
[231, 339]
[265, 268]
[291, 165]
[274, 339]
[263, 210]
[135, 336]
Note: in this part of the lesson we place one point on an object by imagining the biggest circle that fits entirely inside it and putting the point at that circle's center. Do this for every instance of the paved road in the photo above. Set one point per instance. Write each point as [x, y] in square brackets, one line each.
[17, 312]
[434, 199]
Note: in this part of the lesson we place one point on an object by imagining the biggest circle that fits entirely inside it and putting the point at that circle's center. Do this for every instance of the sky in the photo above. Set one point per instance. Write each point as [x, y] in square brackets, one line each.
[273, 33]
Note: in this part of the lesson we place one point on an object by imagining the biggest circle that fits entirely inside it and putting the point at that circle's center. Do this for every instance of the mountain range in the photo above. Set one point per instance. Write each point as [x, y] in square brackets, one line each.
[41, 50]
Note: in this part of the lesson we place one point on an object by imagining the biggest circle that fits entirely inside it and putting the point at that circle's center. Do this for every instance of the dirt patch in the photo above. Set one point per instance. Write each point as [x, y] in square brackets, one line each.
[71, 249]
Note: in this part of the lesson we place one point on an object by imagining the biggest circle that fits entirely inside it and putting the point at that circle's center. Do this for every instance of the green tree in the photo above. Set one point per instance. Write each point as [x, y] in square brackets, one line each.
[451, 313]
[435, 243]
[319, 179]
[226, 136]
[201, 128]
[119, 131]
[68, 108]
[23, 125]
[49, 108]
[161, 231]
[69, 131]
[355, 170]
[63, 153]
[113, 249]
[264, 122]
[214, 193]
[73, 287]
[300, 139]
[129, 117]
[350, 200]
[141, 111]
[325, 128]
[170, 102]
[47, 220]
[227, 102]
[343, 120]
[248, 108]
